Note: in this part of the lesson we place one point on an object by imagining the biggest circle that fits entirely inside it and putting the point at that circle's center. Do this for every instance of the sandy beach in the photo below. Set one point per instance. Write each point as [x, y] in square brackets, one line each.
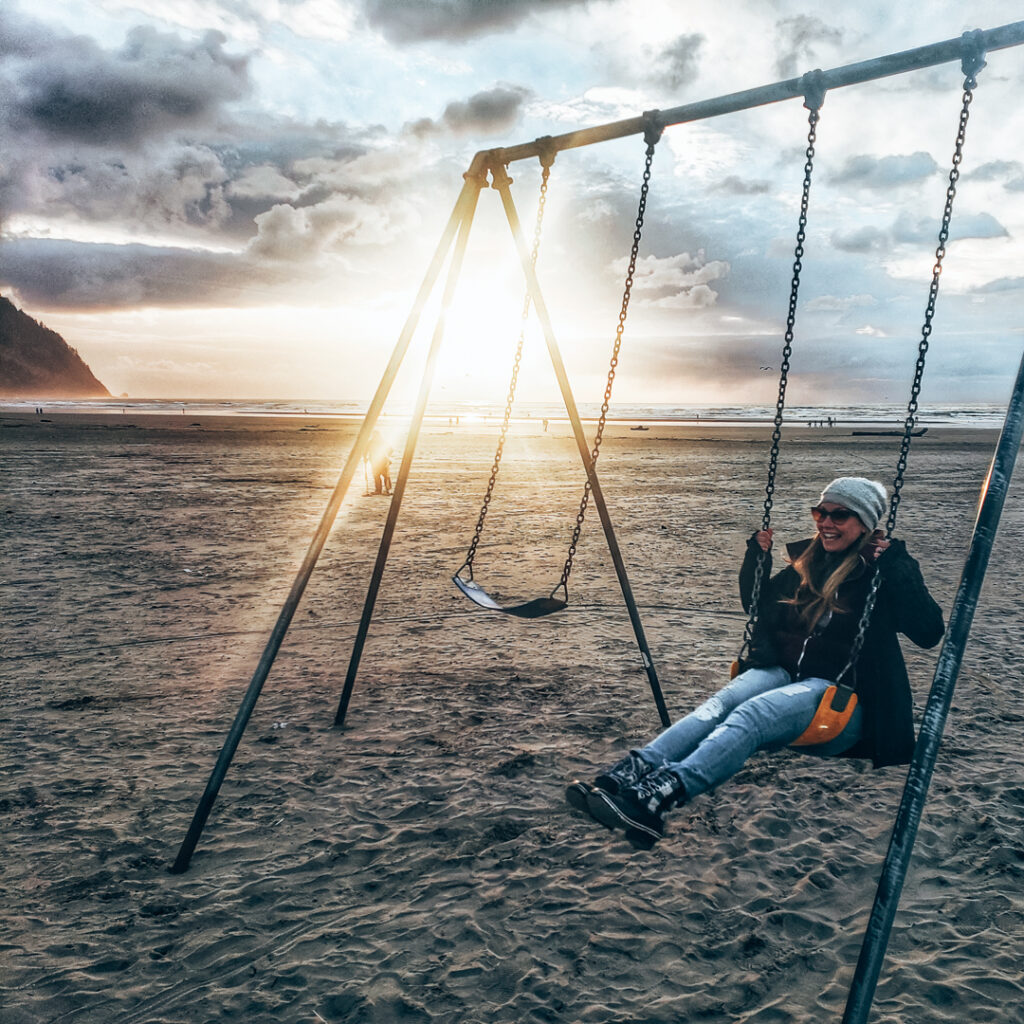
[421, 864]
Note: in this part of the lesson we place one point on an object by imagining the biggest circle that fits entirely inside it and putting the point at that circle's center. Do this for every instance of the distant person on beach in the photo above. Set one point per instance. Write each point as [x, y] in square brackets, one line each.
[809, 616]
[379, 457]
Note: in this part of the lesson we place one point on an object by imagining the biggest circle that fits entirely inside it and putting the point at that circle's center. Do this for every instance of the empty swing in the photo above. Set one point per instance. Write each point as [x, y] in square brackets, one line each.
[463, 578]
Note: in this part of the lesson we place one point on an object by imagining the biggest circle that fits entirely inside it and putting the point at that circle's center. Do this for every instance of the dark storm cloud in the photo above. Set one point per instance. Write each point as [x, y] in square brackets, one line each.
[166, 152]
[798, 41]
[885, 171]
[679, 62]
[58, 274]
[489, 112]
[456, 21]
[68, 87]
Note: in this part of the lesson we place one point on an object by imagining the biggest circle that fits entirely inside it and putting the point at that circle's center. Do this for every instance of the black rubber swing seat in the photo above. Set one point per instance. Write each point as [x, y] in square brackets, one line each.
[534, 609]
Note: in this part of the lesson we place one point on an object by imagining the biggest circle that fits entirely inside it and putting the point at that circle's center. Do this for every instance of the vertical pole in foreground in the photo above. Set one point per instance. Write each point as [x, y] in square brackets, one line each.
[908, 817]
[502, 184]
[284, 619]
[454, 269]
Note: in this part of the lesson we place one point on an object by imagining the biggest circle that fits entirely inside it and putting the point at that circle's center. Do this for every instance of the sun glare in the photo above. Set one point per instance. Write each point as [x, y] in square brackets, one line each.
[480, 338]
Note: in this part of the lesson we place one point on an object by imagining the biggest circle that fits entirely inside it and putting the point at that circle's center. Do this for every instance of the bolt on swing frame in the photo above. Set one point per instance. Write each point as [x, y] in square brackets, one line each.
[864, 71]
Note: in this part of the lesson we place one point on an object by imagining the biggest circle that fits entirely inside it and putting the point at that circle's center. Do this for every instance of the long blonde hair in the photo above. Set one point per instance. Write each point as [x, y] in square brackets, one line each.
[815, 597]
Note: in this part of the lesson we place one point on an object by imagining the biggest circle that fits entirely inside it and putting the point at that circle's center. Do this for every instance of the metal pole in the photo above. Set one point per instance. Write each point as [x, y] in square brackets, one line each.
[410, 450]
[852, 74]
[195, 830]
[908, 817]
[501, 183]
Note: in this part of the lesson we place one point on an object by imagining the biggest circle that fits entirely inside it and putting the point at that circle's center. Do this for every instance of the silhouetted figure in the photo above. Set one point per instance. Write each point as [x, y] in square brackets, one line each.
[379, 457]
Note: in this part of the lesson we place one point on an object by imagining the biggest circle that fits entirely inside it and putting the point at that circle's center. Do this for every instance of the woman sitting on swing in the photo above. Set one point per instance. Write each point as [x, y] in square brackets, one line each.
[809, 614]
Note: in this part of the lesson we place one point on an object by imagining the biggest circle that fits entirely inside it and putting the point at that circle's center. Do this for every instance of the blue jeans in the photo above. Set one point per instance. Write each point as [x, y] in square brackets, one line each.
[759, 710]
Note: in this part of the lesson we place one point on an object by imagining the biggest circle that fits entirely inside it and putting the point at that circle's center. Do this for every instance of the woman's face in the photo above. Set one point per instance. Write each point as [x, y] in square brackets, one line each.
[838, 536]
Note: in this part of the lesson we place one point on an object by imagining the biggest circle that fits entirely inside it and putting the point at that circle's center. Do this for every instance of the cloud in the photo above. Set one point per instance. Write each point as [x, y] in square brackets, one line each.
[871, 332]
[909, 230]
[886, 171]
[167, 153]
[798, 39]
[866, 239]
[926, 229]
[1002, 285]
[486, 112]
[69, 88]
[289, 233]
[678, 63]
[490, 112]
[995, 170]
[454, 21]
[57, 274]
[847, 367]
[742, 187]
[840, 304]
[675, 282]
[263, 181]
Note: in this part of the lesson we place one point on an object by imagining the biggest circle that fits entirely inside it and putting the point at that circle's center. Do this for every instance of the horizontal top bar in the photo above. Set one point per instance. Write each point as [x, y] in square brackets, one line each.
[852, 74]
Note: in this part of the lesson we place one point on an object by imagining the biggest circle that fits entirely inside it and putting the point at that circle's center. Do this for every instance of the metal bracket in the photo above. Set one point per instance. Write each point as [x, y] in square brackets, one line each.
[499, 174]
[973, 58]
[546, 150]
[653, 127]
[812, 84]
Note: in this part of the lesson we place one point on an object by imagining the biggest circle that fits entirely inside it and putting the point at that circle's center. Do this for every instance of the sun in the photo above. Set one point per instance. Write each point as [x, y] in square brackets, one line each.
[481, 333]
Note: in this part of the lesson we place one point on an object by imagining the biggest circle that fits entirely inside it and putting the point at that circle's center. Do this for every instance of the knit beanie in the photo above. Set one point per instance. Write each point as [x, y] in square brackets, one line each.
[866, 498]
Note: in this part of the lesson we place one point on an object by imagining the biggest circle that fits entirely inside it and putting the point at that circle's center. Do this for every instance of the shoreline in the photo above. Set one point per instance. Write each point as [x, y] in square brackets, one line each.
[857, 431]
[986, 417]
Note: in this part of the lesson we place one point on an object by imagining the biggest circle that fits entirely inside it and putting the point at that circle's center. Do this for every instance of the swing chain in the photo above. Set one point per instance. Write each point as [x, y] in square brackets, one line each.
[547, 159]
[815, 97]
[652, 134]
[973, 61]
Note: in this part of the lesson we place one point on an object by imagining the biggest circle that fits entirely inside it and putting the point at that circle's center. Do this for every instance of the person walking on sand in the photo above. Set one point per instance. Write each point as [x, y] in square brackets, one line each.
[379, 457]
[809, 617]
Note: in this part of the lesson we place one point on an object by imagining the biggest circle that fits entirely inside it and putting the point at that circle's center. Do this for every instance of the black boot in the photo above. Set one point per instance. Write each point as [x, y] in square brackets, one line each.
[639, 809]
[627, 772]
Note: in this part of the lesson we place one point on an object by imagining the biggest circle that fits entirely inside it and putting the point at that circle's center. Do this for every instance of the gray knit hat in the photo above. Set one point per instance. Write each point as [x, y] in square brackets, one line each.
[866, 498]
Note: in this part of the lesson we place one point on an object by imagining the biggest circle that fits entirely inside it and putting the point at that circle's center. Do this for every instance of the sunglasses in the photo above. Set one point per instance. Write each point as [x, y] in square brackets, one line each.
[837, 515]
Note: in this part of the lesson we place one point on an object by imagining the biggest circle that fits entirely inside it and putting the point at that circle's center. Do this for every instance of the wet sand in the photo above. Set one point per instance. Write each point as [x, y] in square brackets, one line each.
[421, 865]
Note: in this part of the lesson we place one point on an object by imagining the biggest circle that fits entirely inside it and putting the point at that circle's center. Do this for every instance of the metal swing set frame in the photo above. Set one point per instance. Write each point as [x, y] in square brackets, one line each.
[492, 164]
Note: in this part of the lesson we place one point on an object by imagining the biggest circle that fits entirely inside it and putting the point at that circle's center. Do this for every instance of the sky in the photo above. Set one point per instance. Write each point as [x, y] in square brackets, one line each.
[239, 198]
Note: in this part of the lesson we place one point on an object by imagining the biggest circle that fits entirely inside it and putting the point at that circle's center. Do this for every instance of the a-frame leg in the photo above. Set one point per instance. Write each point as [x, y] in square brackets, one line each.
[411, 440]
[464, 204]
[933, 721]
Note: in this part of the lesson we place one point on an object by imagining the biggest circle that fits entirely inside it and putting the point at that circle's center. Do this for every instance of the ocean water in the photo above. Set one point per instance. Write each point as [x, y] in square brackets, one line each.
[983, 415]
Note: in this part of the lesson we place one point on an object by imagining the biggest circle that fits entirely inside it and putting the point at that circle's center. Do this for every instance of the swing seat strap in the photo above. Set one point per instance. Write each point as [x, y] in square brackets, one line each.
[831, 718]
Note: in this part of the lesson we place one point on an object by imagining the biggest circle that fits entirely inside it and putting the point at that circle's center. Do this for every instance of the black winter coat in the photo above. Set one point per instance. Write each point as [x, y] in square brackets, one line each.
[903, 606]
